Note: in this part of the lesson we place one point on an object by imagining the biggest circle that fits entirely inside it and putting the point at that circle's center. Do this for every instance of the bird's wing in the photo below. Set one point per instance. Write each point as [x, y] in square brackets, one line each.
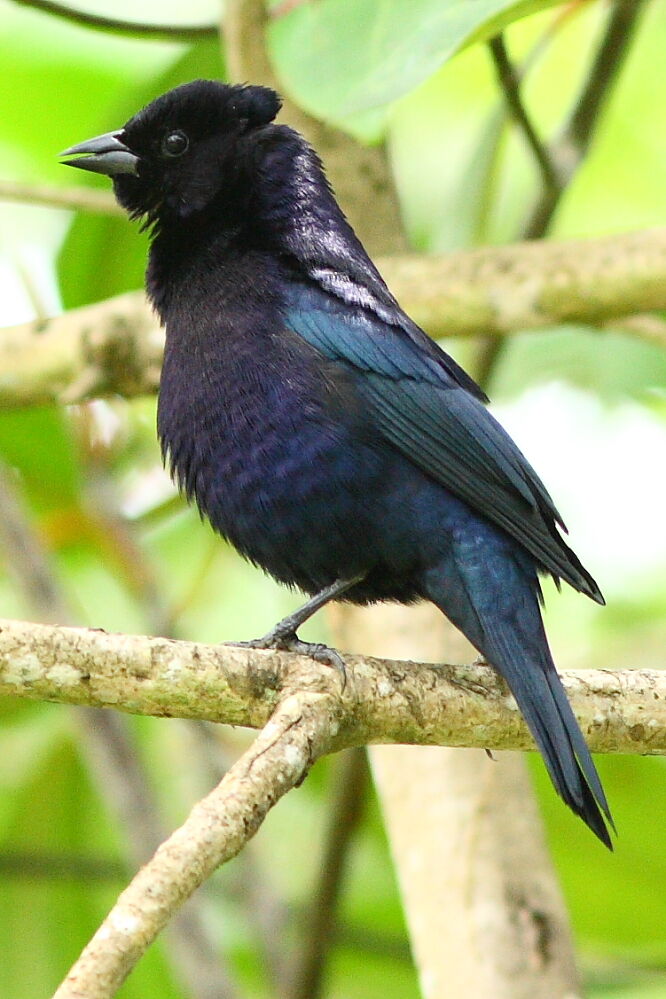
[415, 396]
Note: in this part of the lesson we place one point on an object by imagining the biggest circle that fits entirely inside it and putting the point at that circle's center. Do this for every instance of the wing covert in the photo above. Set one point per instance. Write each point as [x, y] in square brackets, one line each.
[428, 416]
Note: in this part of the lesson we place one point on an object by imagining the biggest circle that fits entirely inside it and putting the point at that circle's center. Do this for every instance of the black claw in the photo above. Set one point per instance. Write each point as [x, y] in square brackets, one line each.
[321, 654]
[290, 642]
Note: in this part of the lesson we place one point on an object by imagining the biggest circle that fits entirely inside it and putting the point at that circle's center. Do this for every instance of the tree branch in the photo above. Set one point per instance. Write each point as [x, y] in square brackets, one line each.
[509, 80]
[305, 712]
[214, 832]
[110, 347]
[80, 198]
[169, 32]
[621, 711]
[570, 148]
[116, 346]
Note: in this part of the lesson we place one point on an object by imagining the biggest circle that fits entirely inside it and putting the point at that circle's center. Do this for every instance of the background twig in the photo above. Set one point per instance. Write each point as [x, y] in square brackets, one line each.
[141, 29]
[216, 829]
[319, 926]
[73, 199]
[559, 162]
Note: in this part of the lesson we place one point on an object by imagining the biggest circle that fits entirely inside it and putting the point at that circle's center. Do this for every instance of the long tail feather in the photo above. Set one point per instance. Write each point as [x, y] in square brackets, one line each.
[490, 591]
[541, 698]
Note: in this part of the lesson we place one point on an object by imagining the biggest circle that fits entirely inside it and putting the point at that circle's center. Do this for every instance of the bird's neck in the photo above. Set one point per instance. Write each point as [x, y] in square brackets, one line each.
[279, 206]
[183, 252]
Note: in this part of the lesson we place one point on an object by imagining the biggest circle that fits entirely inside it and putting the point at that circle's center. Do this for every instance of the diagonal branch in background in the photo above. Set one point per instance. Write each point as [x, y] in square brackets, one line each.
[570, 148]
[79, 198]
[560, 160]
[345, 814]
[384, 701]
[509, 80]
[214, 832]
[115, 347]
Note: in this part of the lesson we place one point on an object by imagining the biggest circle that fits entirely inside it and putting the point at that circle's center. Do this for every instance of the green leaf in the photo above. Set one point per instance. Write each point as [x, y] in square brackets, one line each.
[38, 444]
[342, 57]
[609, 363]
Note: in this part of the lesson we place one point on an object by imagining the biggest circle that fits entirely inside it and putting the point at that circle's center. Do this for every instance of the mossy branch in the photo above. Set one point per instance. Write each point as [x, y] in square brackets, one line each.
[383, 701]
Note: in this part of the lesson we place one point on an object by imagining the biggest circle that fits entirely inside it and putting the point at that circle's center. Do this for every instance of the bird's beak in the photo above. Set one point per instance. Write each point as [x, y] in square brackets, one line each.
[104, 154]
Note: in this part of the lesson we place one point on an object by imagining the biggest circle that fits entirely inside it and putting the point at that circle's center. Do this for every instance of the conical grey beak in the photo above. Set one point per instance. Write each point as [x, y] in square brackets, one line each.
[103, 154]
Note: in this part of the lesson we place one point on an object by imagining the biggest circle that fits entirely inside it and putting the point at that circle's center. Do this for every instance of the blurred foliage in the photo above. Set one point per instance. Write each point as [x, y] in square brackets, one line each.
[339, 57]
[124, 554]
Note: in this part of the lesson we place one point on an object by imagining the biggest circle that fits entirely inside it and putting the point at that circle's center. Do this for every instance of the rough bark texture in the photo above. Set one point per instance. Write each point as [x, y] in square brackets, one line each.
[383, 701]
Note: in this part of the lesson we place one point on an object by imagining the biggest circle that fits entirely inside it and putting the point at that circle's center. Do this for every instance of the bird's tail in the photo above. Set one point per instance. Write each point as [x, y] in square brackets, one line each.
[541, 698]
[500, 615]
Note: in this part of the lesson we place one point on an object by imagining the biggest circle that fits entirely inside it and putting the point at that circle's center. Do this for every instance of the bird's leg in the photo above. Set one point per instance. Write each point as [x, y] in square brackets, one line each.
[283, 635]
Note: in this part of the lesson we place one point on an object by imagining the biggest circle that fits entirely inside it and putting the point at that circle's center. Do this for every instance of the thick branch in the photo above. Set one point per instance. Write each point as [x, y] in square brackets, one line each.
[621, 711]
[116, 346]
[110, 347]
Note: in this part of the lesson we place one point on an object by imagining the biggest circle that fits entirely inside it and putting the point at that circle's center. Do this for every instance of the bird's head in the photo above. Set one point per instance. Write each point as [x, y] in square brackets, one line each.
[180, 151]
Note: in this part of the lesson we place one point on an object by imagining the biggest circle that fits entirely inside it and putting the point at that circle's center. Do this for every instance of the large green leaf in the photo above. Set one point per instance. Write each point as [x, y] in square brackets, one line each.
[342, 57]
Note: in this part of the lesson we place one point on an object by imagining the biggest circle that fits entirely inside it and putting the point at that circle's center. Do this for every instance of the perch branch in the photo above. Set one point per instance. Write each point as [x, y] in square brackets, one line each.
[621, 711]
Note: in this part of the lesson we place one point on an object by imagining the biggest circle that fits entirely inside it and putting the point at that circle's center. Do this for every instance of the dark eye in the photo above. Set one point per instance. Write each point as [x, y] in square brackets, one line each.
[175, 144]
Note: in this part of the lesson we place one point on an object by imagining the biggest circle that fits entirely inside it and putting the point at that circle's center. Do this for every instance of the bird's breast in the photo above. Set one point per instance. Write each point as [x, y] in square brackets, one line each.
[261, 432]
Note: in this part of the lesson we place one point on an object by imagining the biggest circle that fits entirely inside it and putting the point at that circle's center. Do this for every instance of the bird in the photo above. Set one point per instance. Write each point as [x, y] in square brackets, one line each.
[314, 424]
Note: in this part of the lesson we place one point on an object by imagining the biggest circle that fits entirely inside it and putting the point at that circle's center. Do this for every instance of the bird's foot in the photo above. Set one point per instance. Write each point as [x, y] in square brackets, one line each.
[288, 641]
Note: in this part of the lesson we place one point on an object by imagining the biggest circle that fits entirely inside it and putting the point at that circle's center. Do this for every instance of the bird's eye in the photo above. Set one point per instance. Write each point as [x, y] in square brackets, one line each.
[175, 144]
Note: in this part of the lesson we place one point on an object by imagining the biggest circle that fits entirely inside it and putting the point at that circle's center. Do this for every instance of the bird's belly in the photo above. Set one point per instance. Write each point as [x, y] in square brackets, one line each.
[291, 489]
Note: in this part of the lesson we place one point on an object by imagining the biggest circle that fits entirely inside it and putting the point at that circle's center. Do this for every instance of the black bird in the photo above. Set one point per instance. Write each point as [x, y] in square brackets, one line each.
[315, 425]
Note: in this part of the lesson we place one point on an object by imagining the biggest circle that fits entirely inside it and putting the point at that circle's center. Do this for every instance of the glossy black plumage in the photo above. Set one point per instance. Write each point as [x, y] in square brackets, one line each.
[314, 424]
